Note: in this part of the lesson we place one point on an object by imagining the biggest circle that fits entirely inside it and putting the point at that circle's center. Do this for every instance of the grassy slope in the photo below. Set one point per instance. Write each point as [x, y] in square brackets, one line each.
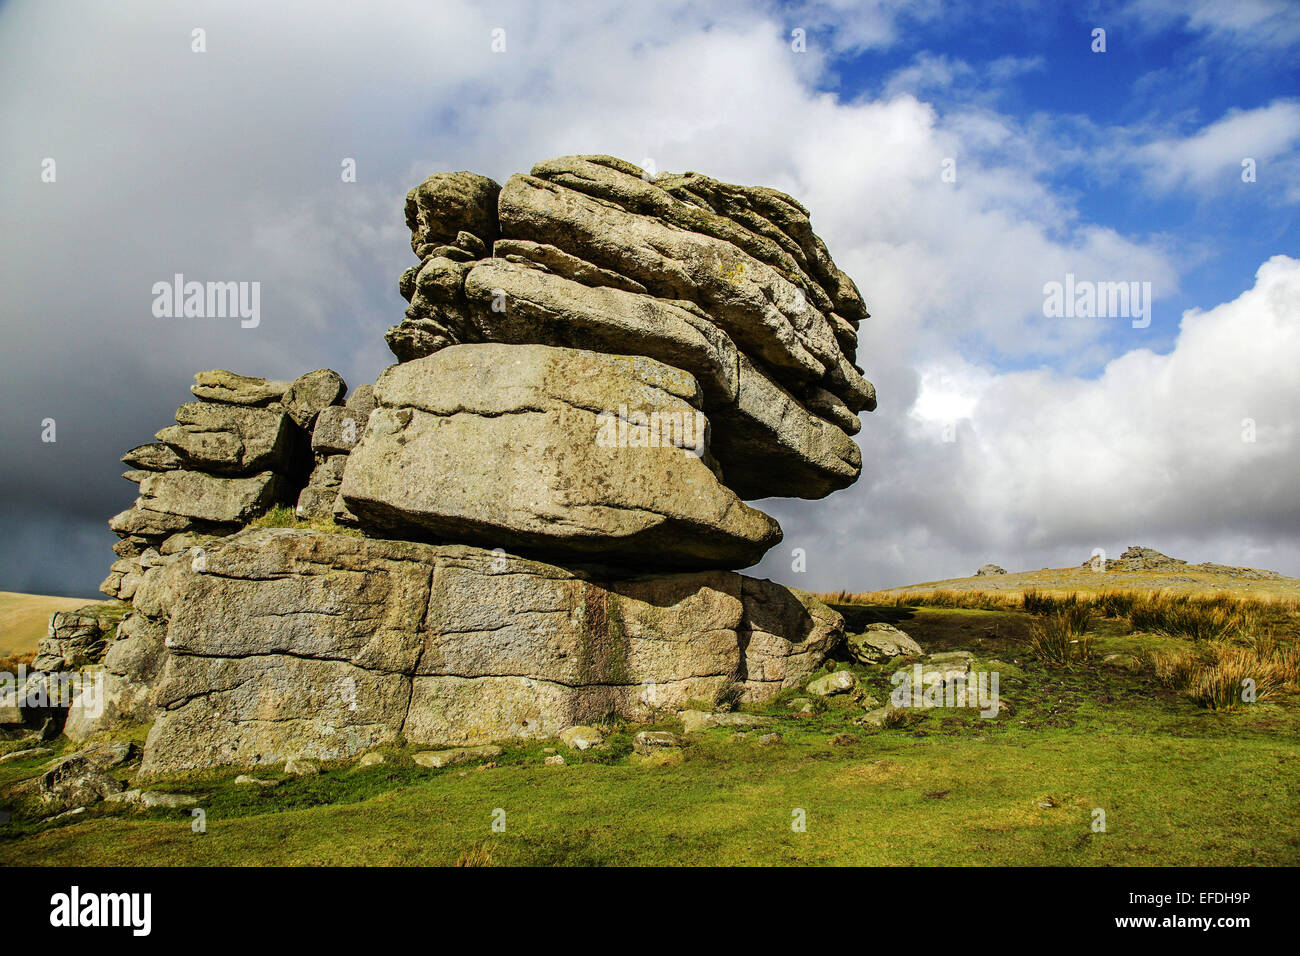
[1179, 786]
[1086, 581]
[24, 619]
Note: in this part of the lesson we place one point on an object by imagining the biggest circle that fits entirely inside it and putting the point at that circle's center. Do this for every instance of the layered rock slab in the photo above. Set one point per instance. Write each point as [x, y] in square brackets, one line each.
[293, 643]
[727, 282]
[555, 452]
[767, 440]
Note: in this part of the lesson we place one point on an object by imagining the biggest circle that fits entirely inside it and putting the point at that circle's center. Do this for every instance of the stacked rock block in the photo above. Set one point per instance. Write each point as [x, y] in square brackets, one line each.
[337, 430]
[80, 636]
[245, 445]
[589, 289]
[242, 447]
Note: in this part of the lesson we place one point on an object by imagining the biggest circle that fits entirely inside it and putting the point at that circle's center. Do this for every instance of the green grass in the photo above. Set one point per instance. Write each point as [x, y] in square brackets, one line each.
[285, 516]
[893, 798]
[1180, 785]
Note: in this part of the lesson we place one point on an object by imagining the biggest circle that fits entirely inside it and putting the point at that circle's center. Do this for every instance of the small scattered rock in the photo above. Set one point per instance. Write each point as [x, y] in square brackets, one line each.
[75, 781]
[301, 767]
[945, 657]
[801, 705]
[244, 780]
[987, 569]
[555, 760]
[880, 642]
[152, 798]
[370, 760]
[840, 682]
[27, 754]
[768, 740]
[949, 665]
[436, 759]
[77, 811]
[648, 741]
[1126, 662]
[581, 737]
[694, 721]
[663, 757]
[156, 798]
[875, 718]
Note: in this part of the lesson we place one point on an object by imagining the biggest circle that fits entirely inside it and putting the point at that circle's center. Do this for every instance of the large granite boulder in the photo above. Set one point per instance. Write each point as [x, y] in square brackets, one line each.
[550, 451]
[447, 204]
[205, 497]
[296, 643]
[312, 393]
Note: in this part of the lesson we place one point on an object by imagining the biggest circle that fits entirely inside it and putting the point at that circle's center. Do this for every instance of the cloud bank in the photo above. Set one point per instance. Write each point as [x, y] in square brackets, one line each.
[225, 165]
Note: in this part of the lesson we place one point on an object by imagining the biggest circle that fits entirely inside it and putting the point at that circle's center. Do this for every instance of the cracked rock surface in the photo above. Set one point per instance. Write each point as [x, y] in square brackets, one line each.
[301, 643]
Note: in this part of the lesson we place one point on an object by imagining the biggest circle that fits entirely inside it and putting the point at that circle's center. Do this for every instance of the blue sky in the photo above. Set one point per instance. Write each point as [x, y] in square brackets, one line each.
[1161, 77]
[1002, 435]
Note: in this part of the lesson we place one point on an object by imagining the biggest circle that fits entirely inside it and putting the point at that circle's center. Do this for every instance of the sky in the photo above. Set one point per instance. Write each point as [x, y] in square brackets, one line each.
[956, 159]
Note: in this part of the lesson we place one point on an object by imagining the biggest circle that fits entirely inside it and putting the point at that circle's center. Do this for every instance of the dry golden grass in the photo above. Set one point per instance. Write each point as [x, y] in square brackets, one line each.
[480, 854]
[1061, 637]
[982, 600]
[10, 663]
[1220, 675]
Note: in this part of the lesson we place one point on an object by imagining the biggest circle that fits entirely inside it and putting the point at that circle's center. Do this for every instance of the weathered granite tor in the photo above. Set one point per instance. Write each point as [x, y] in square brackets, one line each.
[533, 519]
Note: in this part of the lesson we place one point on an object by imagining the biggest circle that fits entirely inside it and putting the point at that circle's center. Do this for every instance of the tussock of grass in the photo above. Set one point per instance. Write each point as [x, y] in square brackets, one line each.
[1061, 637]
[1116, 604]
[1216, 674]
[284, 516]
[1039, 602]
[480, 854]
[1200, 618]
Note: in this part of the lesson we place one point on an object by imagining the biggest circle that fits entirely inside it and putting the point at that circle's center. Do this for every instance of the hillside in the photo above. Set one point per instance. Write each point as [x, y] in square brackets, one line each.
[1137, 569]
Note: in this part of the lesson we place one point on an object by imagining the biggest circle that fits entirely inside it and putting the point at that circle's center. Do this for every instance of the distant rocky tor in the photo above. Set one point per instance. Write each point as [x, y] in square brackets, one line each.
[1139, 558]
[531, 521]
